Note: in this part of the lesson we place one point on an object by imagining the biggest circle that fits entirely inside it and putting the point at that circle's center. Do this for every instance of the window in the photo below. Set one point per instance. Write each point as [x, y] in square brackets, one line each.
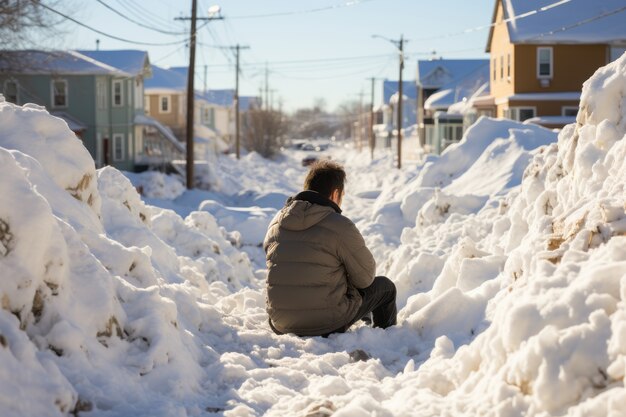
[117, 94]
[101, 96]
[118, 146]
[569, 111]
[519, 113]
[164, 104]
[59, 93]
[494, 68]
[10, 91]
[129, 93]
[544, 62]
[501, 67]
[146, 101]
[508, 66]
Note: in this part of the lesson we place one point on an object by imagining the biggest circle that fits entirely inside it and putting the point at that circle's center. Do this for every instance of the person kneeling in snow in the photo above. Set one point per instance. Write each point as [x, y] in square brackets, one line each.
[320, 273]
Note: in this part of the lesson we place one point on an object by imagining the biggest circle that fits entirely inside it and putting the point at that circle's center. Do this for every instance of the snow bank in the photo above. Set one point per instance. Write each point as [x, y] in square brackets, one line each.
[530, 290]
[108, 305]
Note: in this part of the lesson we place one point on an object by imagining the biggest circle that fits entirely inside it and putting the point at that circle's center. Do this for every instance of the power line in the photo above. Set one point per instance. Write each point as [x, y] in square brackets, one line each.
[144, 14]
[491, 25]
[315, 10]
[580, 23]
[106, 34]
[117, 12]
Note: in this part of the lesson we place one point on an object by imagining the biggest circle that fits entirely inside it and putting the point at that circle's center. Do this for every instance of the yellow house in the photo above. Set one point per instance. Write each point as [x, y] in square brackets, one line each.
[542, 51]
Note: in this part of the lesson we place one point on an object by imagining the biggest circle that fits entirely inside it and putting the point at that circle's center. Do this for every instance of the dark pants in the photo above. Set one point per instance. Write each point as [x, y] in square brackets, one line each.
[378, 299]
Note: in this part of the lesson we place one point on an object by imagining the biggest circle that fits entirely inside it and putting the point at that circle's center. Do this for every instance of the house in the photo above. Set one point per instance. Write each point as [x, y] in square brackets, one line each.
[441, 83]
[542, 52]
[214, 117]
[98, 93]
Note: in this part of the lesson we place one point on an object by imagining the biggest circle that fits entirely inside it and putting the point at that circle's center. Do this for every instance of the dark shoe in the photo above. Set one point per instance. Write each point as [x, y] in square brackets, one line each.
[368, 319]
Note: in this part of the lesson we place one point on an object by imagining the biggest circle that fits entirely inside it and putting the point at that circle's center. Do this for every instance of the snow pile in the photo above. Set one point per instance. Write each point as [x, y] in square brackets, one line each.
[108, 304]
[488, 162]
[524, 302]
[154, 184]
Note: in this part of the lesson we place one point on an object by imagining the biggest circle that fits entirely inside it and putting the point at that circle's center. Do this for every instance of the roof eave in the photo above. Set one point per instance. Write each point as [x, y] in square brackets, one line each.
[493, 21]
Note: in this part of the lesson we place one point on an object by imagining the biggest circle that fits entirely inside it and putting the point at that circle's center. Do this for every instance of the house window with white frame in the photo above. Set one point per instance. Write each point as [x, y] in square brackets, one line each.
[520, 113]
[501, 67]
[569, 111]
[118, 146]
[545, 62]
[146, 102]
[118, 98]
[164, 104]
[101, 96]
[59, 93]
[11, 91]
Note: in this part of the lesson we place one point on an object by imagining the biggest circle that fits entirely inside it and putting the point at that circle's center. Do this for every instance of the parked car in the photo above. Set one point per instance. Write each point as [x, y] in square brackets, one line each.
[309, 160]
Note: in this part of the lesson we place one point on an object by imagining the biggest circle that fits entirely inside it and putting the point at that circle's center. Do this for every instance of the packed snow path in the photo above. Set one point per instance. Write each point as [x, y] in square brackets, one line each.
[509, 253]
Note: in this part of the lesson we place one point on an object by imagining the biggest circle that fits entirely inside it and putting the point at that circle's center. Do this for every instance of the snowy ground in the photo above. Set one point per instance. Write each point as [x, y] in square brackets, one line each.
[509, 253]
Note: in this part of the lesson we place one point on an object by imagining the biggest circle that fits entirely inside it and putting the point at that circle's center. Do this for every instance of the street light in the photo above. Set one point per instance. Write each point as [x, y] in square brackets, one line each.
[400, 47]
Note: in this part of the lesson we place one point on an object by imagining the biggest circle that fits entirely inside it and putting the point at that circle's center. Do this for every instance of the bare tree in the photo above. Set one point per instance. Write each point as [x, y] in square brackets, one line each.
[264, 131]
[348, 113]
[24, 23]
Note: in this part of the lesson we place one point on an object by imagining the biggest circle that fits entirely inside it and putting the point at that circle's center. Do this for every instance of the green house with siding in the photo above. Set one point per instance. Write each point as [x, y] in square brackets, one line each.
[98, 93]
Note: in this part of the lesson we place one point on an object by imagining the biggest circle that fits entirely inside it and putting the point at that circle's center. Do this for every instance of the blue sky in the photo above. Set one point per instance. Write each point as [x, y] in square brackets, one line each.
[310, 54]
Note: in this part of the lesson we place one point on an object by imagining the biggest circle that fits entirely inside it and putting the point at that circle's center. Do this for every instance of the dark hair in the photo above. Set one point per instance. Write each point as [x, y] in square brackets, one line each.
[324, 177]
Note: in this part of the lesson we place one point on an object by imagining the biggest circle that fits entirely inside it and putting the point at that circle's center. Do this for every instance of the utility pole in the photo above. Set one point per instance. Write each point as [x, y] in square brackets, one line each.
[267, 88]
[190, 87]
[401, 48]
[205, 73]
[237, 48]
[400, 45]
[372, 138]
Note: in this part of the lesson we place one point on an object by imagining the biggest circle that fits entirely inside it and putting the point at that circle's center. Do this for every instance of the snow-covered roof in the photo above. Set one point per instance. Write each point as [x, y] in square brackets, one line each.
[131, 61]
[467, 104]
[459, 89]
[142, 119]
[165, 80]
[54, 62]
[567, 21]
[409, 89]
[436, 73]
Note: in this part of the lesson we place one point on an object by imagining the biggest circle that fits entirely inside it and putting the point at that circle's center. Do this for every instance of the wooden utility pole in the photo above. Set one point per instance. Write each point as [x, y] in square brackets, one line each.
[400, 45]
[190, 95]
[267, 88]
[372, 138]
[190, 87]
[236, 100]
[401, 48]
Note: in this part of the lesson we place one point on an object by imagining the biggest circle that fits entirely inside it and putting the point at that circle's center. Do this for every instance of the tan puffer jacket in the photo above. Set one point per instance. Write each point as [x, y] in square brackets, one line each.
[316, 258]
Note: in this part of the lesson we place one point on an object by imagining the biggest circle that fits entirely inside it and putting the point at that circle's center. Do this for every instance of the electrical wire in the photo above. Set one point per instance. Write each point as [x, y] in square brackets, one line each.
[144, 14]
[137, 22]
[109, 35]
[315, 10]
[580, 23]
[494, 24]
